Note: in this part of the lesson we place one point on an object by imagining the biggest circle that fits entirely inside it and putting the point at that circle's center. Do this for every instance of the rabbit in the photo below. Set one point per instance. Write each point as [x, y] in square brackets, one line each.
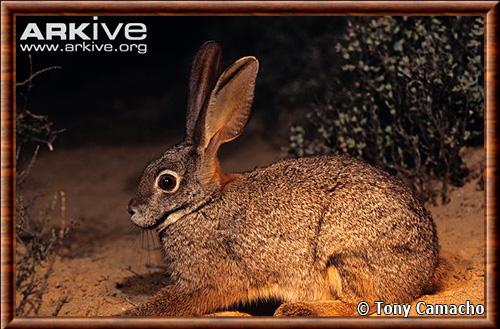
[323, 229]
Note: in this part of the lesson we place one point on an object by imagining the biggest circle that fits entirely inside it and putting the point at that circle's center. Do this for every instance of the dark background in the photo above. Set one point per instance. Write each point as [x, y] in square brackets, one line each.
[106, 98]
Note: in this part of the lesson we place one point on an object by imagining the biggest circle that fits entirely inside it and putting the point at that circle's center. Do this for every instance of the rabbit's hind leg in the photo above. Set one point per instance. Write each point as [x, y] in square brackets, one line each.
[320, 308]
[325, 307]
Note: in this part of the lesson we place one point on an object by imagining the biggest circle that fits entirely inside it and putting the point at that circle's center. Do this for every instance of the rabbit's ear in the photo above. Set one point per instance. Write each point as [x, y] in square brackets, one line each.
[229, 106]
[204, 72]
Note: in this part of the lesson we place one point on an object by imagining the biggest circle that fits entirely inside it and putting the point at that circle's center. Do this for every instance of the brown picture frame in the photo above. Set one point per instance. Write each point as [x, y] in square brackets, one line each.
[11, 9]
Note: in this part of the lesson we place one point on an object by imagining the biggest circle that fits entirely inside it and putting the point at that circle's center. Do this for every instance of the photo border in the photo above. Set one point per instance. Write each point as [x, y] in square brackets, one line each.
[11, 9]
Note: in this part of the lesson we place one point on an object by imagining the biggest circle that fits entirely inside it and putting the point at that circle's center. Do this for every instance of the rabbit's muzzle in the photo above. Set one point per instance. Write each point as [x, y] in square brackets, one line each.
[131, 207]
[139, 217]
[143, 218]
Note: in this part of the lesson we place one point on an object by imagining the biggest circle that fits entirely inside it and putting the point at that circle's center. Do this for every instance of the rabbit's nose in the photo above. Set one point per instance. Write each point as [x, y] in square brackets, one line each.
[130, 207]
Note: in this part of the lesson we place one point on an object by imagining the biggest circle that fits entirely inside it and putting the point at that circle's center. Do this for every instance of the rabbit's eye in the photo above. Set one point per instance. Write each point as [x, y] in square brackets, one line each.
[167, 182]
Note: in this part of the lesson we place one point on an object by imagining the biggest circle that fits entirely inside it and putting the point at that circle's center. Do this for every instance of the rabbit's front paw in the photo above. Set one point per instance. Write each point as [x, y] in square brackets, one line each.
[227, 314]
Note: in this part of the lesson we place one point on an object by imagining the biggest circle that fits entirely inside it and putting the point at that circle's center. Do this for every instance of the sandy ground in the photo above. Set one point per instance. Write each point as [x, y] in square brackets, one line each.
[109, 266]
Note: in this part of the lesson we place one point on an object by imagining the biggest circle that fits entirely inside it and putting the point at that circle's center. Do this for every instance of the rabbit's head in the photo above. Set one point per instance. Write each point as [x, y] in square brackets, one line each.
[188, 175]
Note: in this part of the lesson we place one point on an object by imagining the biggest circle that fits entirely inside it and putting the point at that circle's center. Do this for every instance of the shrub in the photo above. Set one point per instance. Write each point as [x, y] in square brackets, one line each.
[39, 237]
[407, 97]
[38, 241]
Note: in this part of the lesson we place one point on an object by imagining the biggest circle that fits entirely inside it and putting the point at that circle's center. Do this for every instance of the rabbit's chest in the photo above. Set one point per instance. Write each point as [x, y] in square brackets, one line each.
[188, 243]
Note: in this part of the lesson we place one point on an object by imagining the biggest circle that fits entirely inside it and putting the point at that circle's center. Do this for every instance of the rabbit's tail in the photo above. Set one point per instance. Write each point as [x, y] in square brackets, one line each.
[440, 277]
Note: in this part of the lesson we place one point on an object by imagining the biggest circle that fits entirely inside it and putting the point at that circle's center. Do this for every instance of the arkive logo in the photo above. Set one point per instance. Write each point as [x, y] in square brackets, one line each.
[85, 31]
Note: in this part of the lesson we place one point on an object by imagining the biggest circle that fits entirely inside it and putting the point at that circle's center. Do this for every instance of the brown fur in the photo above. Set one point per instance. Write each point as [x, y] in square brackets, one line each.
[316, 308]
[301, 230]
